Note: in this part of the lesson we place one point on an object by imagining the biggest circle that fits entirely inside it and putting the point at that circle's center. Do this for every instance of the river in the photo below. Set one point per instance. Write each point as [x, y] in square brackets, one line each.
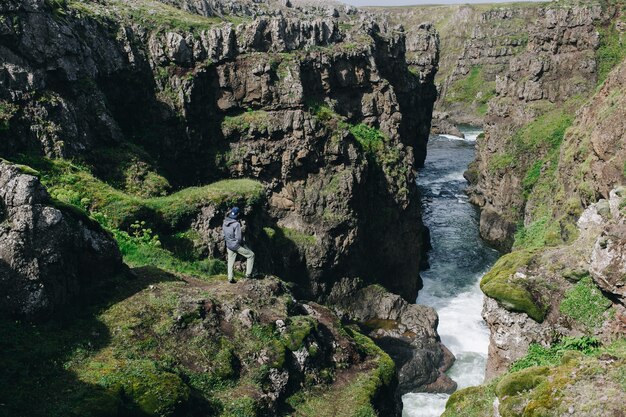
[458, 261]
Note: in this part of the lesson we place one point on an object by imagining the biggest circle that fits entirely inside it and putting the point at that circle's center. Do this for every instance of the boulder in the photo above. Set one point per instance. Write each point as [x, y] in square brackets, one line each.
[407, 332]
[49, 253]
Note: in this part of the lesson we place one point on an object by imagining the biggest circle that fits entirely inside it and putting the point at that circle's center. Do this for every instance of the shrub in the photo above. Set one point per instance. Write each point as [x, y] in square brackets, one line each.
[370, 139]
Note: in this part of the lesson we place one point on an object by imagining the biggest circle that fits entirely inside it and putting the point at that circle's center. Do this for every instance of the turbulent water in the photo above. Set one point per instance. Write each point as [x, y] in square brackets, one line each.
[458, 260]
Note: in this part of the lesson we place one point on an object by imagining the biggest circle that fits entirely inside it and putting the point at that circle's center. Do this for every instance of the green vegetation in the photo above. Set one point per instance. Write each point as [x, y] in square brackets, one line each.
[151, 14]
[145, 348]
[515, 294]
[535, 235]
[7, 111]
[283, 237]
[551, 356]
[585, 304]
[243, 122]
[352, 398]
[74, 184]
[149, 231]
[500, 162]
[611, 52]
[144, 249]
[547, 377]
[370, 139]
[473, 89]
[532, 176]
[471, 402]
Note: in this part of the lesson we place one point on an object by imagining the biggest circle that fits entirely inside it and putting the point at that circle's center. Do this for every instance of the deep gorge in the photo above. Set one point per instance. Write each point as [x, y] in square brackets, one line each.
[127, 130]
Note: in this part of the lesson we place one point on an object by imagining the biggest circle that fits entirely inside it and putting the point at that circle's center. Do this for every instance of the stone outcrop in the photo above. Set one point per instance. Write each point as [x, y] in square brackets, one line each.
[49, 254]
[262, 99]
[580, 287]
[541, 84]
[407, 332]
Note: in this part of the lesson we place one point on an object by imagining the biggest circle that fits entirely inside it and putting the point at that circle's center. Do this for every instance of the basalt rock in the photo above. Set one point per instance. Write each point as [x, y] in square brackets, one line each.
[223, 101]
[49, 254]
[587, 274]
[407, 332]
[558, 64]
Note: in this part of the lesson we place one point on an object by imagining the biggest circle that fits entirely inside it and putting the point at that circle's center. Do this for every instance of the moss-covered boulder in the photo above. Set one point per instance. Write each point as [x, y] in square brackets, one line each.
[508, 285]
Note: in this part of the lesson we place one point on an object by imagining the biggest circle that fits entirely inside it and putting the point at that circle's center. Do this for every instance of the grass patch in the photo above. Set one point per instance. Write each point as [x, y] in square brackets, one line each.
[74, 184]
[284, 237]
[552, 356]
[370, 139]
[139, 251]
[585, 304]
[473, 89]
[546, 132]
[355, 397]
[500, 162]
[611, 52]
[531, 177]
[471, 402]
[151, 14]
[243, 122]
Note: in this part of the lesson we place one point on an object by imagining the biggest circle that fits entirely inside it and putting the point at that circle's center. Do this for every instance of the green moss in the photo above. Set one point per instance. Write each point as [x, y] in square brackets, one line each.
[353, 398]
[76, 185]
[153, 391]
[470, 402]
[472, 89]
[532, 176]
[284, 237]
[585, 304]
[150, 14]
[516, 382]
[241, 407]
[512, 293]
[299, 328]
[500, 162]
[532, 236]
[545, 132]
[242, 123]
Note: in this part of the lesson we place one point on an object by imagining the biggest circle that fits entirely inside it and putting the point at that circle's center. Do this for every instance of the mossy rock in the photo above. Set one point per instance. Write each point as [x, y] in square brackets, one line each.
[500, 284]
[155, 392]
[470, 402]
[299, 328]
[523, 380]
[145, 390]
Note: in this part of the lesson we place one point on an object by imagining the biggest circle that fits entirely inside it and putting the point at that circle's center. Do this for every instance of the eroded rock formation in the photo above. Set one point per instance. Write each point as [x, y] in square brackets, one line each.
[49, 254]
[247, 100]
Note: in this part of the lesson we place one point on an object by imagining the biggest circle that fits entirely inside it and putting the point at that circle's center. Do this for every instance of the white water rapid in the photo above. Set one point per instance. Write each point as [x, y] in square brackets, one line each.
[458, 260]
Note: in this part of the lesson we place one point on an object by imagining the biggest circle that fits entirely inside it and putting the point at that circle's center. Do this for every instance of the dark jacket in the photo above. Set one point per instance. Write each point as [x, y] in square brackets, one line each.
[231, 229]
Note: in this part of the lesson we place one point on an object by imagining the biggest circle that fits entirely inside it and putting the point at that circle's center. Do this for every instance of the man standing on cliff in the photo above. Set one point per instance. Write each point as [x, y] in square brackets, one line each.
[234, 243]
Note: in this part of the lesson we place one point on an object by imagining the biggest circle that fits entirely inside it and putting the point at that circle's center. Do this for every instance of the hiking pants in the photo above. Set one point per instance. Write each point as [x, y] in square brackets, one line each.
[246, 253]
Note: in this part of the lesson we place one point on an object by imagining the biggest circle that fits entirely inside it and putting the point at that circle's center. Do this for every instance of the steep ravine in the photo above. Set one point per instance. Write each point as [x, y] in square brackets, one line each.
[458, 259]
[136, 125]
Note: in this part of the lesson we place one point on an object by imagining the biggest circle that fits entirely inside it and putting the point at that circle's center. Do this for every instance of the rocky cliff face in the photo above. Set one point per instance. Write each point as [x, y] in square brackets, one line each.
[407, 332]
[545, 283]
[50, 254]
[477, 43]
[330, 118]
[535, 101]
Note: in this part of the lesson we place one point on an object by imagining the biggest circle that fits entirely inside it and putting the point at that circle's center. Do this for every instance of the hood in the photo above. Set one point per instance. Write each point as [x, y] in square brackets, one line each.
[228, 221]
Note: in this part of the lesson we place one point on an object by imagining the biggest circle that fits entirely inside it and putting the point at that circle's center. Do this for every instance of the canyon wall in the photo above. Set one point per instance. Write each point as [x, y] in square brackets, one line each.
[327, 115]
